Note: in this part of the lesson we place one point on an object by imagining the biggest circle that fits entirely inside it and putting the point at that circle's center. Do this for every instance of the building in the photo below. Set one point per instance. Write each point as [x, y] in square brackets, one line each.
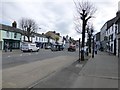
[52, 37]
[111, 32]
[10, 35]
[97, 40]
[118, 32]
[40, 39]
[102, 36]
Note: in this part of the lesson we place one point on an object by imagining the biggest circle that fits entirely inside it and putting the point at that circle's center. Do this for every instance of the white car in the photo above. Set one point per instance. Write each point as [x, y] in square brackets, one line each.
[29, 47]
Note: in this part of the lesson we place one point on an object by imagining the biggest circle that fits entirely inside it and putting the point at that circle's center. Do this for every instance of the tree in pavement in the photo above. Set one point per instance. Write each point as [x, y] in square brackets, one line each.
[28, 26]
[85, 11]
[90, 30]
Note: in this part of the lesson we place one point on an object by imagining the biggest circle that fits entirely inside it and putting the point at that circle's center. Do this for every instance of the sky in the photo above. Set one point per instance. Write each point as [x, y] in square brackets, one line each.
[55, 15]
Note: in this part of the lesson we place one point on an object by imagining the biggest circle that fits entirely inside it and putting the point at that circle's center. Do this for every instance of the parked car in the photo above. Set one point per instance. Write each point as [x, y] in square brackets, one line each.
[29, 47]
[72, 48]
[57, 47]
[48, 47]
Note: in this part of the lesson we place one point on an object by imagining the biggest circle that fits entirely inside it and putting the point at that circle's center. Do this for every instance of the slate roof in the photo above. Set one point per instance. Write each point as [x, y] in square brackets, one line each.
[13, 29]
[9, 28]
[111, 22]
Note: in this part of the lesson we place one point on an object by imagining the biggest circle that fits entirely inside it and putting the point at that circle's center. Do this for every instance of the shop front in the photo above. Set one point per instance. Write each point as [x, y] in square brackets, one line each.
[15, 43]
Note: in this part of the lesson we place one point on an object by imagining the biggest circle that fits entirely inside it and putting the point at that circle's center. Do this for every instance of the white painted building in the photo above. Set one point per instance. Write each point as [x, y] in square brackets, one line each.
[111, 32]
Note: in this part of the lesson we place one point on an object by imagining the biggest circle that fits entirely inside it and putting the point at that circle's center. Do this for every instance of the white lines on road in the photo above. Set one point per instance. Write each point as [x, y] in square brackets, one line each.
[104, 77]
[9, 56]
[29, 53]
[36, 53]
[23, 54]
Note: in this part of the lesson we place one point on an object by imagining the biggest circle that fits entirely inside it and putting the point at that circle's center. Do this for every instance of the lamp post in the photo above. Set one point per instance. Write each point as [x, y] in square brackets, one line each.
[79, 49]
[93, 48]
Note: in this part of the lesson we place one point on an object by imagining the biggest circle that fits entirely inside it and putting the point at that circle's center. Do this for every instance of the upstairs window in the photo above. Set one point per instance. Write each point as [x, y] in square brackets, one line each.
[36, 38]
[15, 35]
[116, 29]
[7, 34]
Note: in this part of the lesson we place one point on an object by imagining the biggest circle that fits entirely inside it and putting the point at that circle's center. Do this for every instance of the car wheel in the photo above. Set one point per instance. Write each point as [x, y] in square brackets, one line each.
[30, 50]
[38, 50]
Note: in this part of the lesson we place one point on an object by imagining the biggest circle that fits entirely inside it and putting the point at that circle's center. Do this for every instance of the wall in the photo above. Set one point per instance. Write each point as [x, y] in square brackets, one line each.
[10, 35]
[102, 35]
[0, 39]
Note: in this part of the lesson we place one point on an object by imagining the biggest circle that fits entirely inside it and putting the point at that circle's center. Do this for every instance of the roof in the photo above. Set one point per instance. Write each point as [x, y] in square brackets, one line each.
[111, 22]
[10, 28]
[13, 29]
[39, 35]
[117, 16]
[51, 34]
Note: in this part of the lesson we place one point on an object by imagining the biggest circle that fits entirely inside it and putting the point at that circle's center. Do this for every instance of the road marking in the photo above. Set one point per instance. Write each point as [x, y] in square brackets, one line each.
[105, 77]
[9, 56]
[36, 53]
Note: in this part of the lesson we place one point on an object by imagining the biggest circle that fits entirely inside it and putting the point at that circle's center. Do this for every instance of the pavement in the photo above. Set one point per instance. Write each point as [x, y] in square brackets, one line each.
[98, 72]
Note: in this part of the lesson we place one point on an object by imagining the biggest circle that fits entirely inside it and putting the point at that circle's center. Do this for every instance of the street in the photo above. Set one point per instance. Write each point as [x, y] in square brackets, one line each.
[11, 59]
[21, 70]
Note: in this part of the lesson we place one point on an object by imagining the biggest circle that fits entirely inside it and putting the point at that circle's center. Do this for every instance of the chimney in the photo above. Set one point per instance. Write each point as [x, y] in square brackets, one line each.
[14, 24]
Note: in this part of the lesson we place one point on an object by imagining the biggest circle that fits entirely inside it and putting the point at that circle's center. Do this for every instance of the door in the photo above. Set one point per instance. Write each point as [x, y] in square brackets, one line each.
[115, 47]
[119, 47]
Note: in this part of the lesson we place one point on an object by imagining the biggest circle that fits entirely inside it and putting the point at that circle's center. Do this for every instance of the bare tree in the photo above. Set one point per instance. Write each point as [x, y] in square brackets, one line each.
[90, 30]
[29, 27]
[85, 11]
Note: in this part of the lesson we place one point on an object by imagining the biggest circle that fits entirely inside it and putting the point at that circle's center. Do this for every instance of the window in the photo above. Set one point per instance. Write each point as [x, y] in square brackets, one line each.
[109, 38]
[115, 29]
[112, 37]
[36, 38]
[7, 34]
[15, 35]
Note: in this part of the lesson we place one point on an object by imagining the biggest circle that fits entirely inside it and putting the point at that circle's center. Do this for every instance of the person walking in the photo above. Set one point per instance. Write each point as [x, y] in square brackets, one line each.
[10, 47]
[6, 47]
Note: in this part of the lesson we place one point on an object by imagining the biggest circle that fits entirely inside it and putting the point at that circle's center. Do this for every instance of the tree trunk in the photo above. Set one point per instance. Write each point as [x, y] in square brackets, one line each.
[83, 40]
[89, 43]
[28, 38]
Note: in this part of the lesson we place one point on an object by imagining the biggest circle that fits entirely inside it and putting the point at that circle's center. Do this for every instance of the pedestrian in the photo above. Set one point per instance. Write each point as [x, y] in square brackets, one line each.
[95, 50]
[6, 47]
[10, 47]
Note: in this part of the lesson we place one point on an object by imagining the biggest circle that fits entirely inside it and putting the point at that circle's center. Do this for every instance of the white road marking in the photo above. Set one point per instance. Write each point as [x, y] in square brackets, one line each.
[36, 53]
[9, 56]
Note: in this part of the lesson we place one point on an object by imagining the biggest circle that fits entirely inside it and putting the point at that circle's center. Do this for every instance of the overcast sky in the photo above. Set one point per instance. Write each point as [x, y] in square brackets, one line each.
[55, 15]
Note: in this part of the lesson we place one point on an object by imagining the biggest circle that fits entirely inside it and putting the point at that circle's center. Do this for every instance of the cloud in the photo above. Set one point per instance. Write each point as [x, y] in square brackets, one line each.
[55, 14]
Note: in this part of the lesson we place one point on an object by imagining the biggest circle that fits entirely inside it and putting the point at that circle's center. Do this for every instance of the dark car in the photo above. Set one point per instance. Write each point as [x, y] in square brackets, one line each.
[72, 48]
[57, 47]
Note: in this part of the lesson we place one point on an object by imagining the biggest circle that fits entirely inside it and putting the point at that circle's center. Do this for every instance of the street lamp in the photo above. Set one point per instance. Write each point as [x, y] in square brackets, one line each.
[93, 48]
[79, 49]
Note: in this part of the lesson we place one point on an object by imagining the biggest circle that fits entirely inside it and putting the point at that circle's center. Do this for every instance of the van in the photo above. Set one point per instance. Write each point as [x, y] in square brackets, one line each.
[29, 47]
